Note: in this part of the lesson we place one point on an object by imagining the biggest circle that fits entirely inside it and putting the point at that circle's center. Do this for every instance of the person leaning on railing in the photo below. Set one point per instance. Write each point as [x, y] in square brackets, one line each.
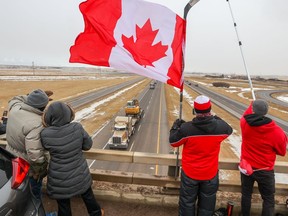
[68, 172]
[201, 139]
[23, 134]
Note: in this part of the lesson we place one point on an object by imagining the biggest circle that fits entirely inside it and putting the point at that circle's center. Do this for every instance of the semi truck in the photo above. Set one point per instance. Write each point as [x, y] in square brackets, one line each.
[122, 131]
[124, 126]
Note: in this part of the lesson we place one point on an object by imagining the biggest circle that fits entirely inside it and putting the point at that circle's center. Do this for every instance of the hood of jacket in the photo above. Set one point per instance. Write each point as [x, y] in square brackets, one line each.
[20, 102]
[257, 120]
[58, 114]
[207, 123]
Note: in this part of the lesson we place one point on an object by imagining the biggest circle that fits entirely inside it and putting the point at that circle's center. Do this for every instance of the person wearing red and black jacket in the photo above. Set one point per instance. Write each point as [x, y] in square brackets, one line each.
[201, 139]
[262, 140]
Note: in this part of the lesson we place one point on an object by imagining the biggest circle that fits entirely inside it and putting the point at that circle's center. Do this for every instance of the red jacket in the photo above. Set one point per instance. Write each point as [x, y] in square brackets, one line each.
[262, 140]
[201, 139]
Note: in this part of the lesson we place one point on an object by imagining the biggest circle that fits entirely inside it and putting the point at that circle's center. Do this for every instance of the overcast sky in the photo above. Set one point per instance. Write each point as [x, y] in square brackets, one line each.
[43, 31]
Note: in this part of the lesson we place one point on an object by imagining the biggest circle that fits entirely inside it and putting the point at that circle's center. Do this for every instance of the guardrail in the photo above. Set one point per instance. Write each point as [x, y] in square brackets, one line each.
[166, 160]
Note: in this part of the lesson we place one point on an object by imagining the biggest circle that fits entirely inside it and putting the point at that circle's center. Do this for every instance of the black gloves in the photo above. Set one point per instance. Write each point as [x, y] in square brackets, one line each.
[177, 123]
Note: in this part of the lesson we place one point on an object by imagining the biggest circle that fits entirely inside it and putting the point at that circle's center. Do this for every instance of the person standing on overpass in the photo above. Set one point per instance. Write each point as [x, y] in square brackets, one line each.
[201, 139]
[68, 172]
[23, 134]
[262, 140]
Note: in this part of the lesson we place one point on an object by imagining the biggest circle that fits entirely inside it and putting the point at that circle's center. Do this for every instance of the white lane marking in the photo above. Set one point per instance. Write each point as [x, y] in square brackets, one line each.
[131, 147]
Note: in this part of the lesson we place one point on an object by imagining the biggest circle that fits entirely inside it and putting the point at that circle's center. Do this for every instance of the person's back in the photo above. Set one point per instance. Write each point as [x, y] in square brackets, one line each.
[68, 173]
[23, 134]
[24, 124]
[65, 141]
[262, 140]
[201, 139]
[203, 136]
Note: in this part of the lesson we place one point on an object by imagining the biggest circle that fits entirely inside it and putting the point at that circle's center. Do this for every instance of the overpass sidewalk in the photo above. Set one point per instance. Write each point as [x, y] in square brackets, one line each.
[138, 200]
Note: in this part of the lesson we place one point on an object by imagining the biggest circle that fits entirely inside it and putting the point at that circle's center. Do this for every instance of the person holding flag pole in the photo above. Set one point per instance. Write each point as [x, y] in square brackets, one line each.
[201, 139]
[136, 36]
[262, 140]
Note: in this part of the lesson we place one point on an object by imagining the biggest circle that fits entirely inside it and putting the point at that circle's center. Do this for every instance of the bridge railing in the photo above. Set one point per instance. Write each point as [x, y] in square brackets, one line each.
[166, 160]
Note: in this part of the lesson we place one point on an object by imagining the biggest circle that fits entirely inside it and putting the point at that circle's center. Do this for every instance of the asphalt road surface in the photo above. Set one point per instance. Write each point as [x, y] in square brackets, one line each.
[151, 134]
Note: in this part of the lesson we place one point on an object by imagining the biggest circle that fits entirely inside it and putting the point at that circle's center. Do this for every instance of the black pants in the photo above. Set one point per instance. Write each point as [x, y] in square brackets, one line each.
[266, 186]
[191, 190]
[93, 208]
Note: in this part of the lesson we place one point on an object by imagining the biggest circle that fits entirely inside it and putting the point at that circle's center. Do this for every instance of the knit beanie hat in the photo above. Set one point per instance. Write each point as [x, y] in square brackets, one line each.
[202, 104]
[260, 107]
[37, 99]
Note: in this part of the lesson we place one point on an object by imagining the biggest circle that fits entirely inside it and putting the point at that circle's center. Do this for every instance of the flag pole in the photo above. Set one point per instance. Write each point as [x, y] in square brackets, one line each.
[188, 6]
[240, 46]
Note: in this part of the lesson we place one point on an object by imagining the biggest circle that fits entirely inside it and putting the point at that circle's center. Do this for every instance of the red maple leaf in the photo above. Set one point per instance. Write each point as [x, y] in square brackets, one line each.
[142, 50]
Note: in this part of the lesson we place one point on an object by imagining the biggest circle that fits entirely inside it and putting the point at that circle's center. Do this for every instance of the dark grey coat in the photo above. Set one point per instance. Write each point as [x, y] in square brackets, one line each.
[68, 172]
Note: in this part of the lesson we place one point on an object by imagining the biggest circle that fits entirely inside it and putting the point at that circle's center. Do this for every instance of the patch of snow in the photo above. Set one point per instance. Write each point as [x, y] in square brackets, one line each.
[283, 98]
[235, 142]
[89, 112]
[231, 91]
[283, 111]
[176, 112]
[186, 95]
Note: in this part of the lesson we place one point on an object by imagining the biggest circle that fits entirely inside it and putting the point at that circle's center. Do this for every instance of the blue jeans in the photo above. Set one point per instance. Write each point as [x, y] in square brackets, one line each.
[36, 187]
[192, 190]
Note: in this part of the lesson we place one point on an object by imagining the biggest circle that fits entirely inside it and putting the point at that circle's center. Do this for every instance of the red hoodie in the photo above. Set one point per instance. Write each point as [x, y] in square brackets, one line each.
[262, 140]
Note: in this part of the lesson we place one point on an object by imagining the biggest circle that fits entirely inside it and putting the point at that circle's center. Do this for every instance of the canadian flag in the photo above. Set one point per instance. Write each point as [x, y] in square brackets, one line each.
[132, 35]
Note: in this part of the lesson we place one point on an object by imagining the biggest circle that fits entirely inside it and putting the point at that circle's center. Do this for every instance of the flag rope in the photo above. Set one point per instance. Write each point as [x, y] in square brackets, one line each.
[242, 54]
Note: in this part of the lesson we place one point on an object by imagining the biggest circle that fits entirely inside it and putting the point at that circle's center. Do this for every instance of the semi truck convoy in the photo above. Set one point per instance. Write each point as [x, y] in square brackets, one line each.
[124, 126]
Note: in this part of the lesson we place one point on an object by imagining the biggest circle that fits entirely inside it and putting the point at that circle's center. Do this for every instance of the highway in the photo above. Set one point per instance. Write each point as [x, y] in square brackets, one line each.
[152, 131]
[266, 95]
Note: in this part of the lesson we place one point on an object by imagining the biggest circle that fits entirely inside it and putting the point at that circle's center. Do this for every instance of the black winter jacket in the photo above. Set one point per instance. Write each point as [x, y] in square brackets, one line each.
[68, 173]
